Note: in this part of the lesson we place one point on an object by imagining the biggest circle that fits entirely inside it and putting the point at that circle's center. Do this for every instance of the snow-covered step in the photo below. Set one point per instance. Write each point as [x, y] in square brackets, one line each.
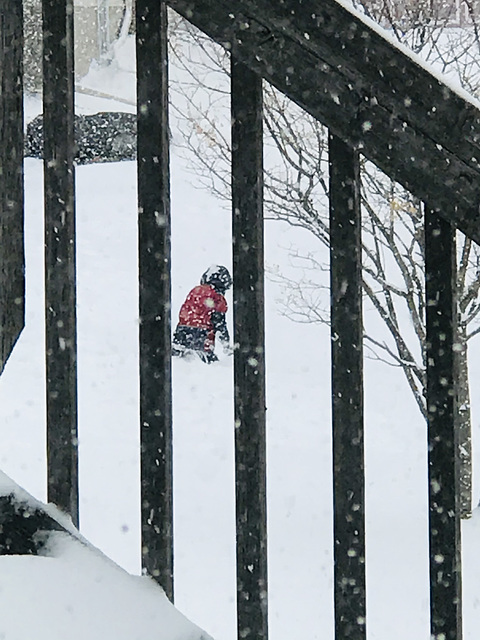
[63, 587]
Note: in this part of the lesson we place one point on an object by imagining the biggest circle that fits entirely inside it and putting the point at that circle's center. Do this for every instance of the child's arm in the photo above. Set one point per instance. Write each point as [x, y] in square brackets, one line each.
[219, 322]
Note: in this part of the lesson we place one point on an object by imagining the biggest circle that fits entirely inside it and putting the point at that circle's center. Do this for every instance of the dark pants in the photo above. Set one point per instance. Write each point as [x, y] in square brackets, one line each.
[193, 340]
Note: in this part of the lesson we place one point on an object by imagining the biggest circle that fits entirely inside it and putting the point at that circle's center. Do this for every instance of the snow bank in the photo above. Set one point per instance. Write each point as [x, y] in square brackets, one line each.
[76, 592]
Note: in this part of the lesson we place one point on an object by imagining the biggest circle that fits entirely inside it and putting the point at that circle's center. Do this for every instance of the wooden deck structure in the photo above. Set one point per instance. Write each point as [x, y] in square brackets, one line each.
[376, 100]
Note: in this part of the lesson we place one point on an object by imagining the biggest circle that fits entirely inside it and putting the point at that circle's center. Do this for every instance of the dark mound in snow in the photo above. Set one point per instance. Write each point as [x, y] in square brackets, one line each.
[109, 136]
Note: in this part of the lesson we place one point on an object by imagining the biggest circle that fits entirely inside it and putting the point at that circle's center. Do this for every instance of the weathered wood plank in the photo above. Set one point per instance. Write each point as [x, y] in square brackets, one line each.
[154, 291]
[443, 455]
[414, 152]
[60, 270]
[376, 69]
[347, 391]
[249, 363]
[12, 261]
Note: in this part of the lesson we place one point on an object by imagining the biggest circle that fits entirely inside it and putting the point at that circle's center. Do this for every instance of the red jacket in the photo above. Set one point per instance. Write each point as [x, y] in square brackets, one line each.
[197, 309]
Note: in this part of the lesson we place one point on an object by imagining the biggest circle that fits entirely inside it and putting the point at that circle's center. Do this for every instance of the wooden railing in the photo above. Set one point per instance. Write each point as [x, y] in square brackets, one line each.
[376, 100]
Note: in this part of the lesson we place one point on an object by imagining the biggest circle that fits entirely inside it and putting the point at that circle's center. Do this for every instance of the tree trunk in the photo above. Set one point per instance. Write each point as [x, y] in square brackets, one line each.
[463, 417]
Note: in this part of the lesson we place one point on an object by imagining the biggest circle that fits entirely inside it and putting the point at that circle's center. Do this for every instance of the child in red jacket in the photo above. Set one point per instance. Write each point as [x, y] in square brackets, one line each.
[202, 315]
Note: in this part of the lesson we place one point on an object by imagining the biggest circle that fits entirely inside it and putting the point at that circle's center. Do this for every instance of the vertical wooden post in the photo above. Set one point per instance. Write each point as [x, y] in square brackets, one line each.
[60, 282]
[347, 391]
[12, 261]
[249, 363]
[443, 461]
[155, 291]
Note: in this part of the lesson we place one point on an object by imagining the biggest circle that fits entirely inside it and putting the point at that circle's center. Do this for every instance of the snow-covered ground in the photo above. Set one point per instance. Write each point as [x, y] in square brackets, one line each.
[72, 590]
[299, 439]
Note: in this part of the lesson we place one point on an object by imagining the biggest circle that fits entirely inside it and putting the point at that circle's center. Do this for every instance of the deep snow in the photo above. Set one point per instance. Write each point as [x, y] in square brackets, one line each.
[72, 590]
[299, 441]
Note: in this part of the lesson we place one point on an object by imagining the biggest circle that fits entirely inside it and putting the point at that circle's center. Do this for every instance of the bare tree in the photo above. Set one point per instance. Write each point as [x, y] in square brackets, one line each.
[296, 191]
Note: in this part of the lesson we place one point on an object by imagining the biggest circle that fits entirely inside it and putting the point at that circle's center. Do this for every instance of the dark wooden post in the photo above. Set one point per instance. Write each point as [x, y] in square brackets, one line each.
[12, 261]
[60, 284]
[347, 391]
[155, 291]
[249, 365]
[443, 464]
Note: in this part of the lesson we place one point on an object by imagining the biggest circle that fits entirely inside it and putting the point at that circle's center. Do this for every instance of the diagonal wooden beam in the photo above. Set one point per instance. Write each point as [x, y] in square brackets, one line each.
[377, 68]
[432, 150]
